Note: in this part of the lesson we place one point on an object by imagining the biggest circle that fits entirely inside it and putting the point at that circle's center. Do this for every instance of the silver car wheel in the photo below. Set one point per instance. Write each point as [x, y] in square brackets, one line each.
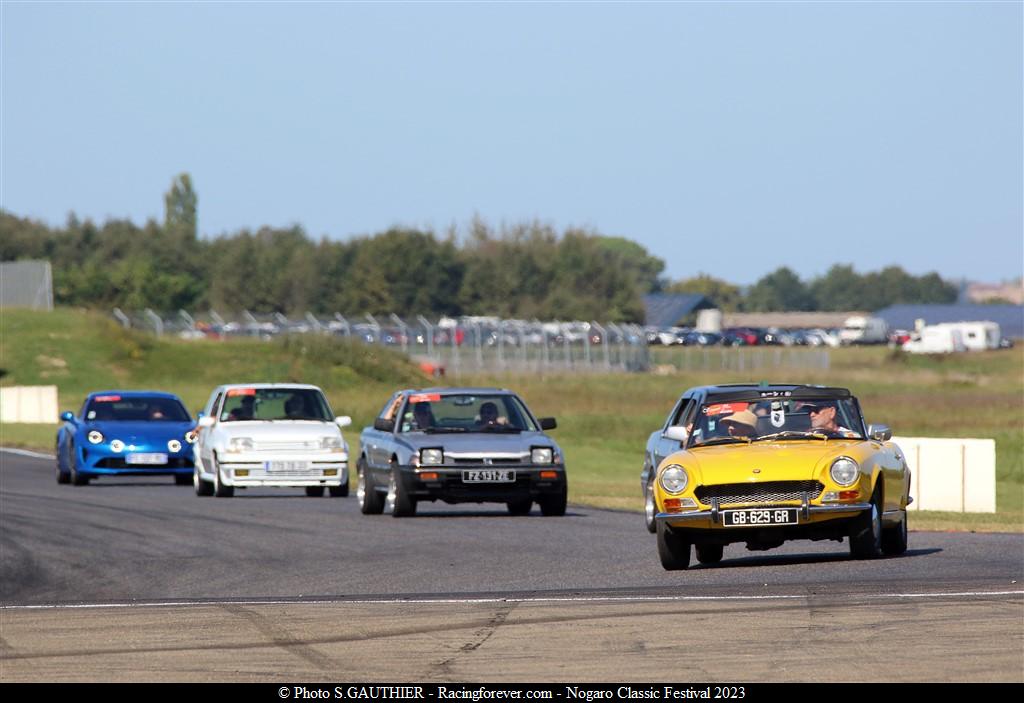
[649, 507]
[389, 502]
[361, 486]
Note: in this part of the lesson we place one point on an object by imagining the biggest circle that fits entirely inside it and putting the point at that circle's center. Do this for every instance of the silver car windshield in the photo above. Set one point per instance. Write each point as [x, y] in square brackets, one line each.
[781, 419]
[437, 413]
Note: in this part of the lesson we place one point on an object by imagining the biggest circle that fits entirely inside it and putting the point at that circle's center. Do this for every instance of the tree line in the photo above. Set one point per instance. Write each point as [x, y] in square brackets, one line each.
[527, 270]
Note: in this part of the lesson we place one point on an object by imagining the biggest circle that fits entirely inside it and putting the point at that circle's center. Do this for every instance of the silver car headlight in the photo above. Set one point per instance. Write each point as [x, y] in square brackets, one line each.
[116, 445]
[174, 445]
[674, 479]
[431, 456]
[541, 455]
[95, 436]
[844, 471]
[191, 436]
[330, 443]
[240, 444]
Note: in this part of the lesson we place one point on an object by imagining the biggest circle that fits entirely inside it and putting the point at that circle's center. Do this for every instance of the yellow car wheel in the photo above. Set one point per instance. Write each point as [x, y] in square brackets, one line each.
[709, 553]
[673, 550]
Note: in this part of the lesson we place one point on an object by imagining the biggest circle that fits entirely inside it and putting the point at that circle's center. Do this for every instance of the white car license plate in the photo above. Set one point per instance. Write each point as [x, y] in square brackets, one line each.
[287, 466]
[149, 459]
[758, 517]
[488, 476]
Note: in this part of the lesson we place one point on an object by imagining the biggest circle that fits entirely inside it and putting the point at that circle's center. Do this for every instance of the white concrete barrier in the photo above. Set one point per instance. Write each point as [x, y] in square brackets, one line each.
[957, 475]
[29, 404]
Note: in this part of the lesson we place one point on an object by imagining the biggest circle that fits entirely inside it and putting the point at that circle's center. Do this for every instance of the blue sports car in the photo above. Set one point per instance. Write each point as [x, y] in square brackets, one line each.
[140, 433]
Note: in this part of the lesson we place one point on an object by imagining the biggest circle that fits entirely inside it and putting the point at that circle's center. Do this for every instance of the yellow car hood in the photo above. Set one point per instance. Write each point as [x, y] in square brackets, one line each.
[765, 461]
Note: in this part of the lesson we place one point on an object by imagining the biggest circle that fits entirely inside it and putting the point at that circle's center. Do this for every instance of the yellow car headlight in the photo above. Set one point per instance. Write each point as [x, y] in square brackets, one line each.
[674, 479]
[844, 471]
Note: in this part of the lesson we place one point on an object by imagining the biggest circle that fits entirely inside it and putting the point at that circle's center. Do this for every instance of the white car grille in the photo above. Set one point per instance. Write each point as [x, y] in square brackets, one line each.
[287, 446]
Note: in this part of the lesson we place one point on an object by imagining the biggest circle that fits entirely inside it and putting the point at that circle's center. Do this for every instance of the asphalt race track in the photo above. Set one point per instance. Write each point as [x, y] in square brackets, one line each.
[135, 579]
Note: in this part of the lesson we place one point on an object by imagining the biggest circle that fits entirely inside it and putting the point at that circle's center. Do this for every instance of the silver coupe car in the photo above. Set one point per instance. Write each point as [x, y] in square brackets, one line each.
[459, 445]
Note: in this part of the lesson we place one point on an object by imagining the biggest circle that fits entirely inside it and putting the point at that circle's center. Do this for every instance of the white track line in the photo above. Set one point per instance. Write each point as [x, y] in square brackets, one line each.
[472, 601]
[25, 452]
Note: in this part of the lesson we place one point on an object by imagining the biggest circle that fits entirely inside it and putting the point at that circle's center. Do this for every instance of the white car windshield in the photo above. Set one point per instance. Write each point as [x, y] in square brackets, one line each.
[274, 404]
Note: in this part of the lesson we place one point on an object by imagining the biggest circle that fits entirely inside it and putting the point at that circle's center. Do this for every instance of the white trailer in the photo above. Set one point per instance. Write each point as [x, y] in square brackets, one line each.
[864, 330]
[935, 339]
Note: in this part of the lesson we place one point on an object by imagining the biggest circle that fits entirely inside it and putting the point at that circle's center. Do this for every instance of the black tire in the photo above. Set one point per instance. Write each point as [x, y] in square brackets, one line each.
[673, 549]
[201, 487]
[398, 502]
[63, 477]
[650, 508]
[370, 501]
[709, 553]
[76, 478]
[314, 491]
[520, 507]
[182, 480]
[866, 534]
[340, 491]
[554, 505]
[894, 539]
[219, 489]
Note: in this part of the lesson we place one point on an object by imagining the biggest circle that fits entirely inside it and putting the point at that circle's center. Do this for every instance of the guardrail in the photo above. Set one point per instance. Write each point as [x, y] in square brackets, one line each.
[957, 475]
[29, 404]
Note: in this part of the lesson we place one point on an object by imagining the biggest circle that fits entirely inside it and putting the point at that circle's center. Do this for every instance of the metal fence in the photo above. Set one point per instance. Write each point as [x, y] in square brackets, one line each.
[443, 346]
[741, 358]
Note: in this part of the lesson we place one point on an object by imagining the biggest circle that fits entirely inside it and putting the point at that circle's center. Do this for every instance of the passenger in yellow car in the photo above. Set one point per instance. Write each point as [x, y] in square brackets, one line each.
[823, 419]
[741, 424]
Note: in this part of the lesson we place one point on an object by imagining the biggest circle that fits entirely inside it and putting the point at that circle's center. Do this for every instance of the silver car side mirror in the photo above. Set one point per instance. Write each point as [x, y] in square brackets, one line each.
[343, 420]
[206, 421]
[879, 433]
[679, 434]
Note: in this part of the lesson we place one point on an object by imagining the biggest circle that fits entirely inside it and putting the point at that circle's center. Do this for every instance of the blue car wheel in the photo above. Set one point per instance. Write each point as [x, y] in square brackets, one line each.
[76, 478]
[62, 476]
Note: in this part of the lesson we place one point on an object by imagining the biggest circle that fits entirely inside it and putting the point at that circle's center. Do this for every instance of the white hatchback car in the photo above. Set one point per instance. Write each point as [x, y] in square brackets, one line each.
[270, 434]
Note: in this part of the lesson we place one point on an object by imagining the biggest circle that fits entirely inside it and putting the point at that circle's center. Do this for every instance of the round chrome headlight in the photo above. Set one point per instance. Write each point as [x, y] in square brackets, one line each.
[174, 446]
[674, 479]
[95, 436]
[190, 436]
[845, 471]
[116, 445]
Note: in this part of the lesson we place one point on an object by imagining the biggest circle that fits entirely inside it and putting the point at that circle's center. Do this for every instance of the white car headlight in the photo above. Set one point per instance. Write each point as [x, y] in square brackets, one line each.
[174, 445]
[674, 479]
[541, 455]
[95, 436]
[116, 445]
[240, 444]
[191, 436]
[844, 471]
[330, 443]
[431, 456]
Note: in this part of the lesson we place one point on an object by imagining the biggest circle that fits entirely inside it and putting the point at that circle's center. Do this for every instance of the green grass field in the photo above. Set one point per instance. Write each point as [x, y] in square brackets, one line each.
[604, 421]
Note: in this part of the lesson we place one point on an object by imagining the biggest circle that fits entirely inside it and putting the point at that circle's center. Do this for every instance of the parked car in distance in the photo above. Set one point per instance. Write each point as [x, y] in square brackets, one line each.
[763, 464]
[459, 445]
[119, 433]
[270, 434]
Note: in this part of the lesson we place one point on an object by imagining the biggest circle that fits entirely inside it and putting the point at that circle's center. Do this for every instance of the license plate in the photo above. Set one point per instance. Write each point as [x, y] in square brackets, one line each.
[488, 476]
[151, 459]
[287, 466]
[759, 516]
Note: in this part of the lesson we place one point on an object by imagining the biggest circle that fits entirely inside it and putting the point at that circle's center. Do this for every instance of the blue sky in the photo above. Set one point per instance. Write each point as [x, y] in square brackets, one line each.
[727, 138]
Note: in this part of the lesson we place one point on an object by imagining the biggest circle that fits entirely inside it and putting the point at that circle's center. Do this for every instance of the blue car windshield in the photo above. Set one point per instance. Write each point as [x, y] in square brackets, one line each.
[136, 408]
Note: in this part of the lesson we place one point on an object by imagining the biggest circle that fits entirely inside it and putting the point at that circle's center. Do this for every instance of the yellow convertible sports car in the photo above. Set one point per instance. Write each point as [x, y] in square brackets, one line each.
[763, 464]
